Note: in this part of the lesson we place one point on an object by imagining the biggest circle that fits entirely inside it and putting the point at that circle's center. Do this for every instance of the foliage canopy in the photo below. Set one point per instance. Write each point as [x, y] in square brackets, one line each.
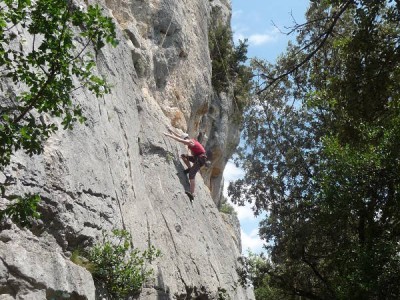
[47, 52]
[120, 266]
[44, 68]
[228, 68]
[321, 154]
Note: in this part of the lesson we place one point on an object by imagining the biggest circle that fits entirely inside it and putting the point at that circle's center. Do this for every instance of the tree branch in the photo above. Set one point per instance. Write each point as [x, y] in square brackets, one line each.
[80, 52]
[294, 290]
[324, 37]
[50, 76]
[319, 275]
[36, 98]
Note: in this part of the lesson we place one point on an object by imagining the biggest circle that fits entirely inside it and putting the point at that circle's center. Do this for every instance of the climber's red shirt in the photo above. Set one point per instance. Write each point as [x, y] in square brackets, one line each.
[197, 149]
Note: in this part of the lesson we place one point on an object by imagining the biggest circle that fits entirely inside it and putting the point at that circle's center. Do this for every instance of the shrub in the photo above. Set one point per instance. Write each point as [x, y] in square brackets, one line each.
[227, 208]
[78, 258]
[228, 60]
[119, 265]
[221, 51]
[223, 294]
[22, 210]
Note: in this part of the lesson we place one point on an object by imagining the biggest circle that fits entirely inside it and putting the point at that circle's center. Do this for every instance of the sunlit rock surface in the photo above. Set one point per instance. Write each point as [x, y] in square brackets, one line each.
[120, 171]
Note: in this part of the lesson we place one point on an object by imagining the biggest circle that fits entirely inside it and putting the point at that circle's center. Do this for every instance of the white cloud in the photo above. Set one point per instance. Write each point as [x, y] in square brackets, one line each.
[256, 38]
[237, 37]
[249, 223]
[260, 39]
[232, 172]
[237, 13]
[245, 213]
[251, 241]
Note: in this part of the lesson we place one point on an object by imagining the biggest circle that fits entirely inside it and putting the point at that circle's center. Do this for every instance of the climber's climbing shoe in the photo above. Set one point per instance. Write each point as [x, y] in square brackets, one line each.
[190, 195]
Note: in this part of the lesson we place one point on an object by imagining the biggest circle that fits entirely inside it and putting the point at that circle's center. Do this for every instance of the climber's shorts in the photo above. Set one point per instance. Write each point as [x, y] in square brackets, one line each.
[198, 162]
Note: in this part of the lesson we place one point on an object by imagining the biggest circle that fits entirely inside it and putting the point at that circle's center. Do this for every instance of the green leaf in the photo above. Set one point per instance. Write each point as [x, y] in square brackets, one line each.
[119, 265]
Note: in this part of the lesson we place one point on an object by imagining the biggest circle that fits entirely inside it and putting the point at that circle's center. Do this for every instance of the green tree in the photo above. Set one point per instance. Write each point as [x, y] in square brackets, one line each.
[324, 133]
[229, 71]
[122, 267]
[53, 57]
[254, 272]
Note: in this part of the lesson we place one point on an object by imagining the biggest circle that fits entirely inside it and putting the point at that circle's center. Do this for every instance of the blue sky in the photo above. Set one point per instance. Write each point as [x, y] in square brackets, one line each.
[262, 23]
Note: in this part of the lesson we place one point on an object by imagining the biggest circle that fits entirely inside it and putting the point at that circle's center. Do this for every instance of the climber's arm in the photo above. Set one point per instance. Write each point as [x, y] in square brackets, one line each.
[173, 132]
[176, 138]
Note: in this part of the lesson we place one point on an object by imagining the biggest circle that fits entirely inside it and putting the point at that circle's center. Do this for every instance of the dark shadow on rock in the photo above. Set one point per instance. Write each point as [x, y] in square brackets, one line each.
[162, 290]
[183, 178]
[100, 290]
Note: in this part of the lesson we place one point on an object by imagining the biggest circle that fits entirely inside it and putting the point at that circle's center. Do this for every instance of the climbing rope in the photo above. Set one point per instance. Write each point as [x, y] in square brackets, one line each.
[169, 25]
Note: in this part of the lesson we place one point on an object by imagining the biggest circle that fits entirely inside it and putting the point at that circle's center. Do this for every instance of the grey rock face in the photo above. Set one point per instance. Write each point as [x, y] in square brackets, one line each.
[35, 268]
[120, 171]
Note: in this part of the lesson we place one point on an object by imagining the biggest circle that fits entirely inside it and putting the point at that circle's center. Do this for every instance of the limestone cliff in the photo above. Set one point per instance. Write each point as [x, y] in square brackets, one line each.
[120, 171]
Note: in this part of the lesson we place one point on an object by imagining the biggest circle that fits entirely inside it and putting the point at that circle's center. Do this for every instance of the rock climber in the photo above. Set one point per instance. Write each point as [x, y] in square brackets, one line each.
[198, 157]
